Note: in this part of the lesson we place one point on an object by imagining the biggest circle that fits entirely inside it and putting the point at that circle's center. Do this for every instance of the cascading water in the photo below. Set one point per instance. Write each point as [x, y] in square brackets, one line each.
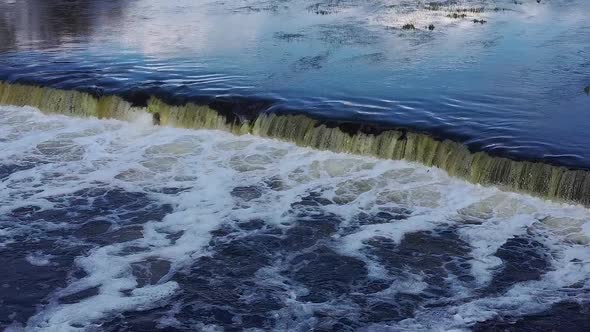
[541, 179]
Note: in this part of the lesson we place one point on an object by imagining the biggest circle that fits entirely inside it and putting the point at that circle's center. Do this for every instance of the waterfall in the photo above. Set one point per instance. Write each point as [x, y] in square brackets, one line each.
[537, 178]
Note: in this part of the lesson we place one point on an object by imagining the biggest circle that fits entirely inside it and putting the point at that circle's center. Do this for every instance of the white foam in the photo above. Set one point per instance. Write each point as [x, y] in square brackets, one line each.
[39, 259]
[487, 238]
[210, 164]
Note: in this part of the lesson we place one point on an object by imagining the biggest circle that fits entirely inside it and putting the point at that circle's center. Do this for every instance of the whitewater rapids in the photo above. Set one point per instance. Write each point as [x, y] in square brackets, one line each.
[110, 225]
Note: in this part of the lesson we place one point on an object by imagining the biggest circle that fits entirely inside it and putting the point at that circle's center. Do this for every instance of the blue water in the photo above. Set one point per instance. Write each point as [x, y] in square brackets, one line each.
[512, 86]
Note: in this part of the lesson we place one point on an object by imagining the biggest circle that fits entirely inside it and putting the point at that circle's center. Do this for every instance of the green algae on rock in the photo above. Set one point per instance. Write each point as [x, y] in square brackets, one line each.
[67, 102]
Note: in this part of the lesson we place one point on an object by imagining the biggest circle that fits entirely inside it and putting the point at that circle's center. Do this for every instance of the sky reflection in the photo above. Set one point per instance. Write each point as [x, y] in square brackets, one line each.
[512, 85]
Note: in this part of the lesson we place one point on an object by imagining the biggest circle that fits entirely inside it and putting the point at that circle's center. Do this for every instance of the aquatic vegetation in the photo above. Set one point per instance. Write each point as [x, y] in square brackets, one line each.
[258, 8]
[310, 62]
[470, 10]
[457, 15]
[289, 36]
[545, 180]
[377, 57]
[347, 34]
[325, 8]
[451, 6]
[434, 6]
[457, 12]
[436, 14]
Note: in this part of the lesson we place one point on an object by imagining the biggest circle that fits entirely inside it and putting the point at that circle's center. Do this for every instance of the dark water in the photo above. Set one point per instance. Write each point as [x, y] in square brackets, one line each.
[112, 226]
[512, 86]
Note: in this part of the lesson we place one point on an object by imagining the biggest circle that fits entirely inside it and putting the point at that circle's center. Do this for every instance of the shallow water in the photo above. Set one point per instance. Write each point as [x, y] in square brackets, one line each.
[109, 225]
[511, 86]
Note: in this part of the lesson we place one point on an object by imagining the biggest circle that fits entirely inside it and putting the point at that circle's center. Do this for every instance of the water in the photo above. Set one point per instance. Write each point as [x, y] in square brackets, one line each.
[512, 86]
[108, 225]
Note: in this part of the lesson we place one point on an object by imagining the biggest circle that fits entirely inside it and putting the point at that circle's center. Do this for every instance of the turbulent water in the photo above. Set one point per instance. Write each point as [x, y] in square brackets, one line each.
[109, 225]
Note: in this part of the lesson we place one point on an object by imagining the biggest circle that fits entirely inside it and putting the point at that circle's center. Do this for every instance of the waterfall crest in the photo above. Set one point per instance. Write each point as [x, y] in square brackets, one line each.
[537, 178]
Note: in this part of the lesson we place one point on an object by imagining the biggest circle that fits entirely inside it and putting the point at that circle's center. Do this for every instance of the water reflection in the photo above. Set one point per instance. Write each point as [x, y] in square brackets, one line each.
[29, 24]
[512, 85]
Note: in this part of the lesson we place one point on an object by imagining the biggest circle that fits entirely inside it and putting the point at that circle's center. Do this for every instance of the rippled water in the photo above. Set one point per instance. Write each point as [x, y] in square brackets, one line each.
[111, 226]
[513, 85]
